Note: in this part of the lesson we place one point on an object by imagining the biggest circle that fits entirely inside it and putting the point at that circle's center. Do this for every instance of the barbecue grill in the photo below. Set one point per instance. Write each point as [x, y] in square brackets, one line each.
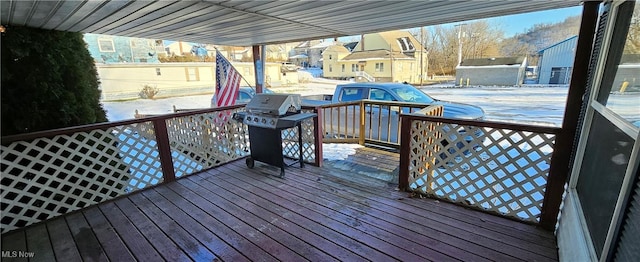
[267, 115]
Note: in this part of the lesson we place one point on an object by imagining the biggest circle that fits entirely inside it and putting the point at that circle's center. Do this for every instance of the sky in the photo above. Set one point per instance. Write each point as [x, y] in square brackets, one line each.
[514, 24]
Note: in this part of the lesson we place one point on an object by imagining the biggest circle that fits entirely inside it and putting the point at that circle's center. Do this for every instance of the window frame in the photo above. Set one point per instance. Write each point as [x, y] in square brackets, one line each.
[110, 42]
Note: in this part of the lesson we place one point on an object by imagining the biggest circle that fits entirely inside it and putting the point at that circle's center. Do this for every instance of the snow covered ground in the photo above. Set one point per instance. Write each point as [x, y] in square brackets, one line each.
[535, 105]
[525, 105]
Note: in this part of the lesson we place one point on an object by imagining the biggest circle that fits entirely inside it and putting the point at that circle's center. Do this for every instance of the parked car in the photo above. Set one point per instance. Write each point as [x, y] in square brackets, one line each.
[398, 92]
[288, 67]
[245, 94]
[387, 117]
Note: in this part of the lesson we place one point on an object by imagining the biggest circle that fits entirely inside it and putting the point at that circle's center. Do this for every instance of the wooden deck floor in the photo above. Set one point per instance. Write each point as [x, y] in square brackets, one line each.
[233, 213]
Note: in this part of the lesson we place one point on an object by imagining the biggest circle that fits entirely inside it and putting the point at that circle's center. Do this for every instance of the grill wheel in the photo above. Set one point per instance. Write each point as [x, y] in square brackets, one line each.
[250, 163]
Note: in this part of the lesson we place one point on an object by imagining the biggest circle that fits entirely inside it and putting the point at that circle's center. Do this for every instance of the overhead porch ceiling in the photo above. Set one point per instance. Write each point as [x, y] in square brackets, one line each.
[244, 23]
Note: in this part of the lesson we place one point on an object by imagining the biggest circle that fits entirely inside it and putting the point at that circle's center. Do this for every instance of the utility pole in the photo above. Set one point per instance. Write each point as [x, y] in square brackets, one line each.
[390, 60]
[459, 26]
[421, 53]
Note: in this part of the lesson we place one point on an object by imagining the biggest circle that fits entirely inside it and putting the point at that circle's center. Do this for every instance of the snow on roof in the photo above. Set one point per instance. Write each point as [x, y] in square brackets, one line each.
[517, 60]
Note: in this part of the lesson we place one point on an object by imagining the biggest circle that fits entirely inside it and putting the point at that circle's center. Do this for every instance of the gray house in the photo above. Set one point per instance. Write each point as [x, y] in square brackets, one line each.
[556, 62]
[498, 71]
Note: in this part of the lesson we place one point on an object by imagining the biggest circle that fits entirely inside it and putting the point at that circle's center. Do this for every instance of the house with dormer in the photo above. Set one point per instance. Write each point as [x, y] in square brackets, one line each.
[394, 56]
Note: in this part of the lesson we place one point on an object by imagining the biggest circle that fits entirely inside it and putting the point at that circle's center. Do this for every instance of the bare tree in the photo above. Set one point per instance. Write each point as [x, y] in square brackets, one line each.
[479, 39]
[538, 37]
[632, 45]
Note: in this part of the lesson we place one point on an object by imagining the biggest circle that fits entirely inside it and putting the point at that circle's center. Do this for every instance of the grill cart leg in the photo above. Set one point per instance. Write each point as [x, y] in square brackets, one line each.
[300, 145]
[250, 162]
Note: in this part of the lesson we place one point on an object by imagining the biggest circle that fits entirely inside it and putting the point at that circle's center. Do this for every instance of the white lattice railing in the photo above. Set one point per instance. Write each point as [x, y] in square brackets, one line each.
[205, 140]
[310, 144]
[47, 174]
[500, 168]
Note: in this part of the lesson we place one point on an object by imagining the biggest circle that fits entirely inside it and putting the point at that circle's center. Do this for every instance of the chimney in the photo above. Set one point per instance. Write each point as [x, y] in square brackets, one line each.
[361, 42]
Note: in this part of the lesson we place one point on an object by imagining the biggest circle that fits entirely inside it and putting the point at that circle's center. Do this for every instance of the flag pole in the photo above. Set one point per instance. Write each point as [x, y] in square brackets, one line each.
[234, 68]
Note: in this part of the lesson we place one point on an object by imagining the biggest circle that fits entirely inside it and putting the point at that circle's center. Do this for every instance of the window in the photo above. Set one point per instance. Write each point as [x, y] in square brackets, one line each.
[354, 68]
[405, 44]
[606, 164]
[192, 74]
[379, 67]
[352, 94]
[106, 45]
[243, 97]
[158, 73]
[342, 68]
[330, 68]
[380, 95]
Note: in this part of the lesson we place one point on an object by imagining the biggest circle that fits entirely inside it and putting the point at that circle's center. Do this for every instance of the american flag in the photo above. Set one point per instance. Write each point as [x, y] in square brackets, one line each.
[227, 83]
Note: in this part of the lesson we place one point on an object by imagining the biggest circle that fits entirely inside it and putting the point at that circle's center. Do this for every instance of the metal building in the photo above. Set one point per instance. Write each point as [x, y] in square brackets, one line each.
[556, 62]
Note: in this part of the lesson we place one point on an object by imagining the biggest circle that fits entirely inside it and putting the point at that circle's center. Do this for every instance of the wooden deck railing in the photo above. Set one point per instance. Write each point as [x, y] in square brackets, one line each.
[47, 174]
[370, 121]
[496, 167]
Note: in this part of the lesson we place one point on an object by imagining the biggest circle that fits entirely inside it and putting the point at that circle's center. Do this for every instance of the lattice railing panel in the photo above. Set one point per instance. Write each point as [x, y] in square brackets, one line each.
[206, 140]
[290, 145]
[46, 177]
[499, 170]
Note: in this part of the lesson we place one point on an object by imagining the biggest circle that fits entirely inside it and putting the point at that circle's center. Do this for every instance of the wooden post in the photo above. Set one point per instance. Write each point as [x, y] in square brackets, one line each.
[162, 138]
[317, 122]
[258, 66]
[362, 125]
[561, 159]
[405, 140]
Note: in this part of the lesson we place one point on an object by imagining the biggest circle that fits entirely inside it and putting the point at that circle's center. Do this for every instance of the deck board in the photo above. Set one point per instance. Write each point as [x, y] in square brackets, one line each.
[442, 222]
[206, 234]
[64, 247]
[86, 241]
[114, 248]
[14, 242]
[191, 245]
[487, 238]
[38, 239]
[232, 213]
[161, 242]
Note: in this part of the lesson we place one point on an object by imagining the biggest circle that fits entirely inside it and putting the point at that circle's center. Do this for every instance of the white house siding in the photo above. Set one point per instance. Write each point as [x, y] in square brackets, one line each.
[125, 81]
[559, 56]
[497, 75]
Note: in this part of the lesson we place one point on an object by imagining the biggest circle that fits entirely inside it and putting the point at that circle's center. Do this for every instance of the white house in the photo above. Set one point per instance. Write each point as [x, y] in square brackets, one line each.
[499, 71]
